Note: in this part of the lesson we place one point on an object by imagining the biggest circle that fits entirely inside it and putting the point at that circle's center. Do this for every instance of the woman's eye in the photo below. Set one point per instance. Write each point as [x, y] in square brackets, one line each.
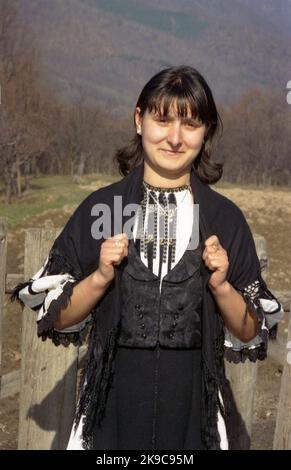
[192, 124]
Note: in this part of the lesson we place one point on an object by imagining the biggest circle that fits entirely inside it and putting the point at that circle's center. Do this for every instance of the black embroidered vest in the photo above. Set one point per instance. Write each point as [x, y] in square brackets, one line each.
[170, 316]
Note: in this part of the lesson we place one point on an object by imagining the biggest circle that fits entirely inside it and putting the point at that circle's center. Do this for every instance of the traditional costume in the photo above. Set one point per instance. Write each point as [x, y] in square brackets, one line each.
[154, 377]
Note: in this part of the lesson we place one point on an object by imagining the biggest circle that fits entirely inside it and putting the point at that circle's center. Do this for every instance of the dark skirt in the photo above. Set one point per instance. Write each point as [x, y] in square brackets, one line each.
[154, 401]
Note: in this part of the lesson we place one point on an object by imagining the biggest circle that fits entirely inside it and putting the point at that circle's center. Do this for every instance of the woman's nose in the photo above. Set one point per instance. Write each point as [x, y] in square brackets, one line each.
[175, 134]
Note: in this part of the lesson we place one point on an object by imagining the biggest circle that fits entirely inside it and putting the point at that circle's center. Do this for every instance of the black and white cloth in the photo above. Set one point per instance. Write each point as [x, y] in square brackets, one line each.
[45, 293]
[75, 255]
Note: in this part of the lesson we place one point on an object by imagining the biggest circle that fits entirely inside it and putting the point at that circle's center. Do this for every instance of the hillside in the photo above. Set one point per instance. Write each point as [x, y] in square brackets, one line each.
[100, 49]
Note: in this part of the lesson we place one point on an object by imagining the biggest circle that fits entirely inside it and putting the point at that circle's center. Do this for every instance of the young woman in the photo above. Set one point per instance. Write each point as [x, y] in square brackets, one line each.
[166, 299]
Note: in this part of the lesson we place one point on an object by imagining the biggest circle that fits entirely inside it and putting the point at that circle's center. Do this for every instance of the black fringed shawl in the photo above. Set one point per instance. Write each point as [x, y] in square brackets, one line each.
[80, 251]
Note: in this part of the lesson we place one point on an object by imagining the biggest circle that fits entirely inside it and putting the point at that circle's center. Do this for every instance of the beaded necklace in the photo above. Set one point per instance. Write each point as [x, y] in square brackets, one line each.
[162, 209]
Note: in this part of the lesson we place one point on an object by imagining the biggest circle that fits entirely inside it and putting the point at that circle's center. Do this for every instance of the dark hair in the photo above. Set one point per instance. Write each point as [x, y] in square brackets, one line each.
[187, 88]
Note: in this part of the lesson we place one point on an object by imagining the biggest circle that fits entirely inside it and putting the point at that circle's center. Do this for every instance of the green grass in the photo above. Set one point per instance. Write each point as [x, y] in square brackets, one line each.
[54, 192]
[47, 193]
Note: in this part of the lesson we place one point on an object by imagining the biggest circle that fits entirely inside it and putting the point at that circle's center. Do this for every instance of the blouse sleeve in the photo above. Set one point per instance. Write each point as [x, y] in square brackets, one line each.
[245, 276]
[47, 293]
[268, 311]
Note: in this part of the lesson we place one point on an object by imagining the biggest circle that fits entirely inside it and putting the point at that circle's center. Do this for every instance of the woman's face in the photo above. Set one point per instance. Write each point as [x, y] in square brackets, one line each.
[170, 144]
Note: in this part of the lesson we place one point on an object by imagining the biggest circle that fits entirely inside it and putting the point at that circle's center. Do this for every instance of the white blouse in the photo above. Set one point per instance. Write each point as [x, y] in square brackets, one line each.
[184, 223]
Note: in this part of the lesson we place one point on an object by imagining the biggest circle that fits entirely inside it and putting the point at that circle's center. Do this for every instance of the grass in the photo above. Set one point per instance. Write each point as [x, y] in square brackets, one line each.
[54, 192]
[251, 186]
[49, 193]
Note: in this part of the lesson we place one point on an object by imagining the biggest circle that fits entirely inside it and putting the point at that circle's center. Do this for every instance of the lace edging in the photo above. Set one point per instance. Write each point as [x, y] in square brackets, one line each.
[254, 354]
[45, 326]
[250, 295]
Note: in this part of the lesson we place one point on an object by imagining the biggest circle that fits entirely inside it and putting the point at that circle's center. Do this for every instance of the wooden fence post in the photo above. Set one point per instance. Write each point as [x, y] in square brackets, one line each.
[282, 438]
[3, 255]
[48, 373]
[243, 376]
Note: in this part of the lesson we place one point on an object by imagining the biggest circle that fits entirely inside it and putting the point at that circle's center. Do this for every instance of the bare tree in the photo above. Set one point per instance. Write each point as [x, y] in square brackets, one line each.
[256, 142]
[22, 134]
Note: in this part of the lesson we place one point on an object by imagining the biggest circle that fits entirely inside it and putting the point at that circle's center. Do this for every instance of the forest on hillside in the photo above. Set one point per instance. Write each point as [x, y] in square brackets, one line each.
[41, 134]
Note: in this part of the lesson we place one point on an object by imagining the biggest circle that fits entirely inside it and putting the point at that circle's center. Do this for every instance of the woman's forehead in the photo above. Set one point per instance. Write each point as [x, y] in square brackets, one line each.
[173, 108]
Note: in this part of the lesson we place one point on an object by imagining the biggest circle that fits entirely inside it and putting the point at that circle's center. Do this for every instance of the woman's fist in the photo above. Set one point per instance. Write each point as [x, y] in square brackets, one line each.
[112, 252]
[216, 259]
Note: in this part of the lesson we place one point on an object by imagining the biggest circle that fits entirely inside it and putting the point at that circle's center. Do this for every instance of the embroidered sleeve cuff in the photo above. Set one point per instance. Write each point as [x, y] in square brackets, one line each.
[268, 311]
[55, 300]
[47, 294]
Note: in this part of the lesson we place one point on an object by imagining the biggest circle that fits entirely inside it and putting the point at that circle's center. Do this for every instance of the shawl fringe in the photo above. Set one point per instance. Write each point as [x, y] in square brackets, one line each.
[210, 406]
[96, 381]
[45, 326]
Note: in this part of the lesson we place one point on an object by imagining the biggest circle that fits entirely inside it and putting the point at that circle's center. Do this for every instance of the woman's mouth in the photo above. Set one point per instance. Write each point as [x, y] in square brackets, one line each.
[171, 152]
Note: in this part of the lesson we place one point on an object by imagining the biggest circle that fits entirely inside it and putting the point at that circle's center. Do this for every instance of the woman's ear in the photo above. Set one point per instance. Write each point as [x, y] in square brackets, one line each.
[138, 120]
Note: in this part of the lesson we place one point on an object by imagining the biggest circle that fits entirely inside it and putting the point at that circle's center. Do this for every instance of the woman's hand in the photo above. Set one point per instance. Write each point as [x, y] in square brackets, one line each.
[216, 259]
[112, 252]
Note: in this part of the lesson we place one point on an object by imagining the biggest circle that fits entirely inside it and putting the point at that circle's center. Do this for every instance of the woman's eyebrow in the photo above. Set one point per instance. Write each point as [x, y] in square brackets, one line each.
[190, 119]
[184, 120]
[159, 113]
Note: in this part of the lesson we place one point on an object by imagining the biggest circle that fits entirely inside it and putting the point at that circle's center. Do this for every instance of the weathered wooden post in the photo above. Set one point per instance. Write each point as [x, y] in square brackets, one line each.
[282, 438]
[243, 376]
[3, 255]
[48, 373]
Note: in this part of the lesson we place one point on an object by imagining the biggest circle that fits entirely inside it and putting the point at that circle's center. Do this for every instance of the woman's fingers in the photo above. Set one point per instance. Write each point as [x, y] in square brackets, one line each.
[214, 255]
[212, 252]
[208, 251]
[114, 249]
[118, 240]
[215, 263]
[112, 252]
[116, 244]
[212, 241]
